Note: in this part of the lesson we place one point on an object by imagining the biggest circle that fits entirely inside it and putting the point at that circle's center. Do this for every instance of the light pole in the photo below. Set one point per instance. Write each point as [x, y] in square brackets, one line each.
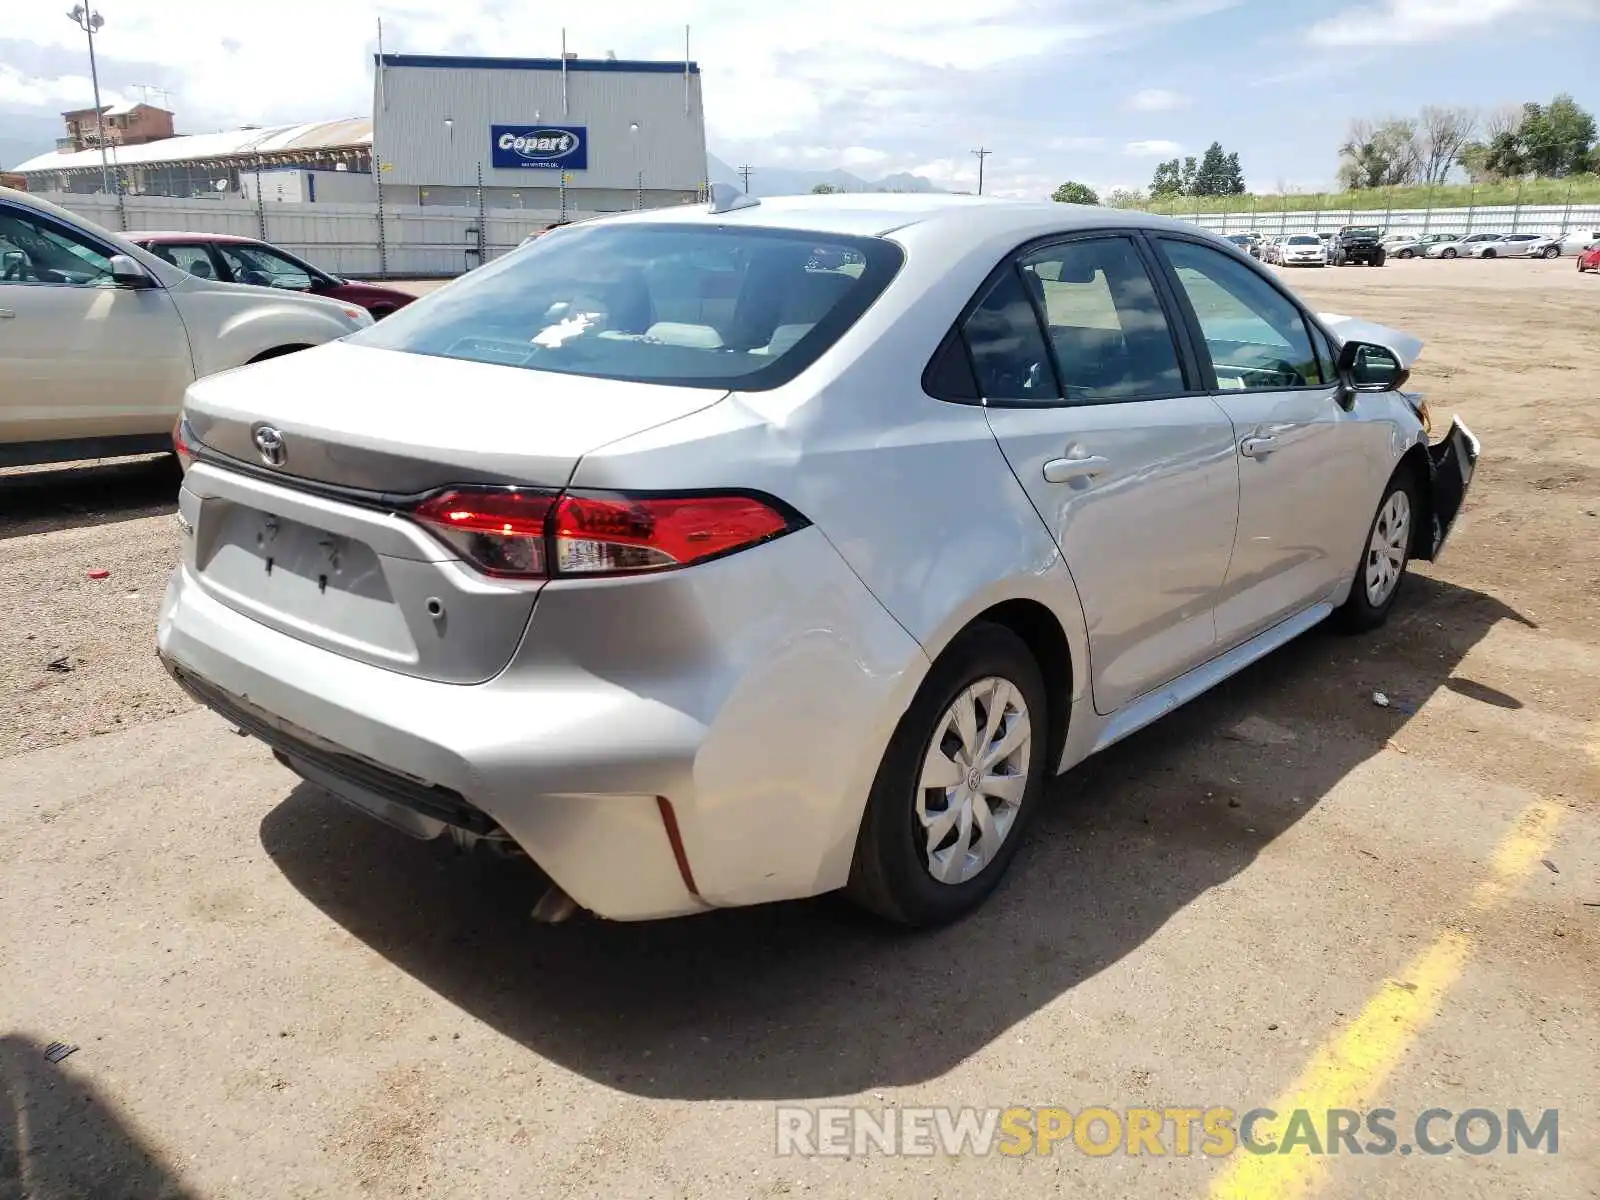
[89, 22]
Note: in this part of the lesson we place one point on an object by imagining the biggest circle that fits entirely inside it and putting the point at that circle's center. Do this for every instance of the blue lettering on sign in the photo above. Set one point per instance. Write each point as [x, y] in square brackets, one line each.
[554, 147]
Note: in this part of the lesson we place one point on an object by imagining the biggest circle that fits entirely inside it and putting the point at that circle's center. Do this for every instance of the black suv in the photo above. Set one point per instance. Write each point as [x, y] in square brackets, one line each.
[1358, 243]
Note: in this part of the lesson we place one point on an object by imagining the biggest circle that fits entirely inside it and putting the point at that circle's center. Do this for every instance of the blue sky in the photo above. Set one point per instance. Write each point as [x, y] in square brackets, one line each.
[1085, 89]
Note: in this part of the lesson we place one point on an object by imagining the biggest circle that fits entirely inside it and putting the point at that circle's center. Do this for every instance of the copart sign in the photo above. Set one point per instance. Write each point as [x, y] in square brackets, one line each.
[553, 147]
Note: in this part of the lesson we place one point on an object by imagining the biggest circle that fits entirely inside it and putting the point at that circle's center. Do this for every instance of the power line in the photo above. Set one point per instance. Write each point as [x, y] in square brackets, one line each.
[982, 152]
[744, 174]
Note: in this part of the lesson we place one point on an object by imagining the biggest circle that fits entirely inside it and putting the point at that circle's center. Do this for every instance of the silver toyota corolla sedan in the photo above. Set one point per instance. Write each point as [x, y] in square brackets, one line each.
[730, 555]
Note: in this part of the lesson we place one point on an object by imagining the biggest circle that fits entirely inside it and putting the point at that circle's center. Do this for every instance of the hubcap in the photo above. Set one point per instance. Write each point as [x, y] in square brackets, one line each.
[1386, 553]
[973, 778]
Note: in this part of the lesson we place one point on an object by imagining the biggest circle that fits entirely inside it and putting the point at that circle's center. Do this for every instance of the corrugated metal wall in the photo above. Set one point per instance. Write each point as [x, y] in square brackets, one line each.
[417, 146]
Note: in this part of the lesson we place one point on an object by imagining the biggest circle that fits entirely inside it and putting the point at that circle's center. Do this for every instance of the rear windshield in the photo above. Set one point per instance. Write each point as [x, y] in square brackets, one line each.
[701, 306]
[1304, 239]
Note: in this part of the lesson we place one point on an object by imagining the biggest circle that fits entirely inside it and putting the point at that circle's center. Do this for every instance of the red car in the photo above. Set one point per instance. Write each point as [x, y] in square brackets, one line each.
[245, 260]
[1589, 260]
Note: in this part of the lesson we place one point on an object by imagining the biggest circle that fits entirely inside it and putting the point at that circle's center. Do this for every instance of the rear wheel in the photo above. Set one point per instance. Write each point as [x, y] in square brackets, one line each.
[1488, 254]
[1406, 254]
[1447, 253]
[958, 784]
[1385, 556]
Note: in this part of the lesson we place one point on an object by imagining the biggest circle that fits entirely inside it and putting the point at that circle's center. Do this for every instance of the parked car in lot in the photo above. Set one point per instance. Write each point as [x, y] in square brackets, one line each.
[246, 260]
[1589, 260]
[1415, 245]
[1303, 250]
[676, 594]
[1459, 247]
[1359, 244]
[1243, 241]
[99, 337]
[1576, 241]
[1512, 245]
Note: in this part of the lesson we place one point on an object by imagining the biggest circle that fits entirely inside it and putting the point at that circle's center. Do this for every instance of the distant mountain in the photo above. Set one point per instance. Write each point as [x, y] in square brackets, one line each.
[26, 135]
[786, 181]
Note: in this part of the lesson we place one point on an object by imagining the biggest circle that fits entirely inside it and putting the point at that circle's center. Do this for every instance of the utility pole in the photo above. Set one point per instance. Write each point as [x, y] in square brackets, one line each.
[744, 174]
[982, 152]
[89, 22]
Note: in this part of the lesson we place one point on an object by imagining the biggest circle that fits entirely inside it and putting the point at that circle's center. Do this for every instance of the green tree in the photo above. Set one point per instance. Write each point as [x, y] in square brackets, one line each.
[1556, 137]
[1126, 198]
[1234, 177]
[1073, 192]
[1382, 154]
[1187, 176]
[1211, 177]
[1167, 181]
[824, 189]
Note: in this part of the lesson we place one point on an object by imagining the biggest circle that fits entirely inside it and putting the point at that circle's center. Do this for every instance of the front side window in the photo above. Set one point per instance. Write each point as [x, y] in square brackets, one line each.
[33, 250]
[1255, 335]
[1105, 324]
[264, 267]
[694, 305]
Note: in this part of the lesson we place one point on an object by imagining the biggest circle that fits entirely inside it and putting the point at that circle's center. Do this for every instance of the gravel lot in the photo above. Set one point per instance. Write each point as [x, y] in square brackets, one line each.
[275, 997]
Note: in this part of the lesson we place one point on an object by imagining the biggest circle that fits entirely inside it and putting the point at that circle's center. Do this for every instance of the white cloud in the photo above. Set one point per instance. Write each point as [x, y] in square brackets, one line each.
[862, 156]
[62, 91]
[1156, 100]
[1075, 143]
[1395, 22]
[1151, 149]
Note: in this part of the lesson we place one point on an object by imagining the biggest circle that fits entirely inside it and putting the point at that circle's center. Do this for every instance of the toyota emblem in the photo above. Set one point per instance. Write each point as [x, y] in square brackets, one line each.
[270, 444]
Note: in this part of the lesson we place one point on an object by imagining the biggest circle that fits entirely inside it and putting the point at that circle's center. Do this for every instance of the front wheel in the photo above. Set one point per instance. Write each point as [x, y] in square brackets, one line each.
[1552, 252]
[1405, 254]
[1385, 558]
[1448, 254]
[958, 784]
[1379, 258]
[1488, 254]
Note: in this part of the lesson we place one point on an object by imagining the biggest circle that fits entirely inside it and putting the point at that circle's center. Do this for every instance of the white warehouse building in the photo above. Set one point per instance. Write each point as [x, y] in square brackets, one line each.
[554, 134]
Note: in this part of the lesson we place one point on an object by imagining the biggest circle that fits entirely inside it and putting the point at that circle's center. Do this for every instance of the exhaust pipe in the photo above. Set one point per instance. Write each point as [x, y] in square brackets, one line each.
[554, 907]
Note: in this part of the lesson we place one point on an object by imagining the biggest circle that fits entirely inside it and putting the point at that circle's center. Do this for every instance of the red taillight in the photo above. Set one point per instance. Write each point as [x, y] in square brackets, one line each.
[533, 535]
[605, 535]
[180, 444]
[500, 533]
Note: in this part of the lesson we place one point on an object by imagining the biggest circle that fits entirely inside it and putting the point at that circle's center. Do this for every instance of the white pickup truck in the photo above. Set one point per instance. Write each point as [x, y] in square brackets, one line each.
[99, 338]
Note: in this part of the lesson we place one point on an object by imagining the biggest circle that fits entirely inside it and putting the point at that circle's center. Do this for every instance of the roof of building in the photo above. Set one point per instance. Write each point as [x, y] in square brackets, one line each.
[352, 132]
[476, 63]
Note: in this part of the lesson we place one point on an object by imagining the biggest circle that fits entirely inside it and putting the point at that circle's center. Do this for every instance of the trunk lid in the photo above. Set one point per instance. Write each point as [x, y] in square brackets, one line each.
[397, 423]
[312, 545]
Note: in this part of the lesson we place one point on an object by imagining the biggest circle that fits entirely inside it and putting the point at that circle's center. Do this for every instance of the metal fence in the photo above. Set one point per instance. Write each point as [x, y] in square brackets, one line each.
[400, 240]
[368, 239]
[1481, 218]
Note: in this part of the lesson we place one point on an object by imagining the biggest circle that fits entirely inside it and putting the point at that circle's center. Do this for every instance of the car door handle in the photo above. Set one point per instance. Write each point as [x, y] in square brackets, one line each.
[1065, 470]
[1255, 447]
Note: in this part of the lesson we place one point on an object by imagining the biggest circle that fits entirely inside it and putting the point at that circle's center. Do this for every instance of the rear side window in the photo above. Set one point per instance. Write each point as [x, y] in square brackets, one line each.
[1009, 356]
[697, 306]
[1106, 326]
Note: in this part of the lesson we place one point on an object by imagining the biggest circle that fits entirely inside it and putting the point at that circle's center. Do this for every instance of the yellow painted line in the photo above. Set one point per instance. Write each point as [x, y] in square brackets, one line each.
[1347, 1070]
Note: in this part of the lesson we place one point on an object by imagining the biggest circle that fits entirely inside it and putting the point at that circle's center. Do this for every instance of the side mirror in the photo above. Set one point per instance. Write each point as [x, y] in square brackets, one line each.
[127, 273]
[1368, 367]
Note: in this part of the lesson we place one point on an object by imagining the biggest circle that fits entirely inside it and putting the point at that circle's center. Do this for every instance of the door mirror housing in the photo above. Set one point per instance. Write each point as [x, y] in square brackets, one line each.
[126, 272]
[1369, 367]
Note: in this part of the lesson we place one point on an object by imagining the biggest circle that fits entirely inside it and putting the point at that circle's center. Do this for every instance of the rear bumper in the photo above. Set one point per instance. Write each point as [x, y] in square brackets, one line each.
[754, 694]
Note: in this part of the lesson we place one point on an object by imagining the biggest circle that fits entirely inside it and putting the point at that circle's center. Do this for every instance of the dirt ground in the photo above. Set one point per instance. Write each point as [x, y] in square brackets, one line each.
[1281, 894]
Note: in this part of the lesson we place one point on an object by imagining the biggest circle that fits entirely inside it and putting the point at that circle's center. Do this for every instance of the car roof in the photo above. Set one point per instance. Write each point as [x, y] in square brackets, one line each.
[173, 235]
[870, 214]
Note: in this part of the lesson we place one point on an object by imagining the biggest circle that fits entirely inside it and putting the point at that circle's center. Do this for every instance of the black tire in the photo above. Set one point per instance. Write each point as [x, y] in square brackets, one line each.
[1451, 253]
[1488, 254]
[1406, 254]
[889, 875]
[1359, 614]
[380, 312]
[1379, 258]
